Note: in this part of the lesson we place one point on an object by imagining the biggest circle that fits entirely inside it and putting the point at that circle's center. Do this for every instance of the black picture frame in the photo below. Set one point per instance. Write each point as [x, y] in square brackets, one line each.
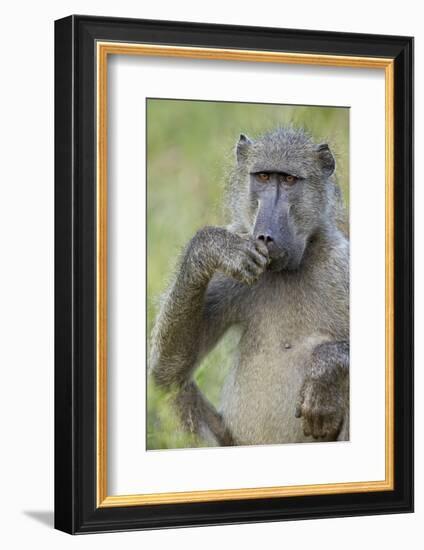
[76, 510]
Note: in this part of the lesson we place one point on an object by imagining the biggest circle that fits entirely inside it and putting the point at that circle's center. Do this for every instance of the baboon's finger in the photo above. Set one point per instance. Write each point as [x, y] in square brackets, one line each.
[317, 426]
[299, 406]
[258, 258]
[327, 426]
[262, 247]
[307, 420]
[259, 261]
[306, 426]
[253, 267]
[331, 427]
[300, 400]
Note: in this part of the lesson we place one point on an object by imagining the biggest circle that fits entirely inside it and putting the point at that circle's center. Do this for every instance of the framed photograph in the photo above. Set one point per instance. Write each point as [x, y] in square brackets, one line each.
[234, 274]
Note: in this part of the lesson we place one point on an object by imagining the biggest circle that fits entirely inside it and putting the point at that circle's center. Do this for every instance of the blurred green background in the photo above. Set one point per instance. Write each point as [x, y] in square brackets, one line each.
[190, 149]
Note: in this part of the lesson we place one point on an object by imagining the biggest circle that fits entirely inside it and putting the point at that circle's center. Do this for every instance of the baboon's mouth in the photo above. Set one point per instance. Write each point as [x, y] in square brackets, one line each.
[283, 262]
[278, 262]
[285, 256]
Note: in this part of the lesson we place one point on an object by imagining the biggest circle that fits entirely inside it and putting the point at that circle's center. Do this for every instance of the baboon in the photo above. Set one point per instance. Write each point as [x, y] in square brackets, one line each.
[280, 273]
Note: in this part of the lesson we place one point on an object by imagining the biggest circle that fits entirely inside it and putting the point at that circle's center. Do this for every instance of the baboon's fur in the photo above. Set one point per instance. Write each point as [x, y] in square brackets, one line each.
[289, 298]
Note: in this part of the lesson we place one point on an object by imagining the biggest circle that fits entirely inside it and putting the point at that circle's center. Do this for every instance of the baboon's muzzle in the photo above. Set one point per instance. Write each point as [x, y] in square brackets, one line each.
[276, 228]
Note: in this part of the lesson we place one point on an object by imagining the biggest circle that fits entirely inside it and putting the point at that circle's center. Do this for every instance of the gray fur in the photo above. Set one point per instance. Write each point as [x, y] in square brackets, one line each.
[288, 294]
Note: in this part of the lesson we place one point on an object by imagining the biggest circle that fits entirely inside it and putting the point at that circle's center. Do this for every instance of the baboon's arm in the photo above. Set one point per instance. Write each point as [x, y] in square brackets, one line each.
[331, 357]
[199, 307]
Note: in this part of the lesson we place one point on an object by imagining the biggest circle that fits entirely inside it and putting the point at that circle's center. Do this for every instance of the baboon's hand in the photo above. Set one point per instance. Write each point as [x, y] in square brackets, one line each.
[243, 259]
[321, 409]
[322, 399]
[216, 248]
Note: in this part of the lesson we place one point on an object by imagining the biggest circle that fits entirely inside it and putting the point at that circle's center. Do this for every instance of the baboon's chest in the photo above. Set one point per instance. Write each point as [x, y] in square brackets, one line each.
[280, 316]
[277, 341]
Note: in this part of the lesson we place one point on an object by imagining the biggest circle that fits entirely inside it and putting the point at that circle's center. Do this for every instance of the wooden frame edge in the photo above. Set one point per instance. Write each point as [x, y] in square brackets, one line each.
[103, 49]
[243, 494]
[101, 271]
[390, 282]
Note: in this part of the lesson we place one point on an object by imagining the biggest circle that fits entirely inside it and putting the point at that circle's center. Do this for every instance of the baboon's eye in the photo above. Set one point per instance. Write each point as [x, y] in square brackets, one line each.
[262, 176]
[289, 179]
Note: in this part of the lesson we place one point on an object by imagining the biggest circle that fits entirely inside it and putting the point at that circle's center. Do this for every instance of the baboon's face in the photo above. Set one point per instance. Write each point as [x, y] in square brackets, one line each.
[287, 176]
[275, 194]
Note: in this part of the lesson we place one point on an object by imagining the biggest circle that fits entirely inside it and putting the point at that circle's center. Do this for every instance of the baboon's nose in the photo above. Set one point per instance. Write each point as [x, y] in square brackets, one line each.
[265, 237]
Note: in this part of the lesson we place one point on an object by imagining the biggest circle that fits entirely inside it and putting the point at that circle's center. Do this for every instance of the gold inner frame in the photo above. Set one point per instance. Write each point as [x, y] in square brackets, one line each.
[103, 50]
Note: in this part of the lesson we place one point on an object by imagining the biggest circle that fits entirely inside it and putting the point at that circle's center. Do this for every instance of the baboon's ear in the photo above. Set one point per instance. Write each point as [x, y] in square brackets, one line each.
[326, 159]
[243, 145]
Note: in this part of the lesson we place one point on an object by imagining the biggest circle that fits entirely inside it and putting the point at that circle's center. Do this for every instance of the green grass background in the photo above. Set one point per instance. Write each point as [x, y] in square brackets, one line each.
[190, 148]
